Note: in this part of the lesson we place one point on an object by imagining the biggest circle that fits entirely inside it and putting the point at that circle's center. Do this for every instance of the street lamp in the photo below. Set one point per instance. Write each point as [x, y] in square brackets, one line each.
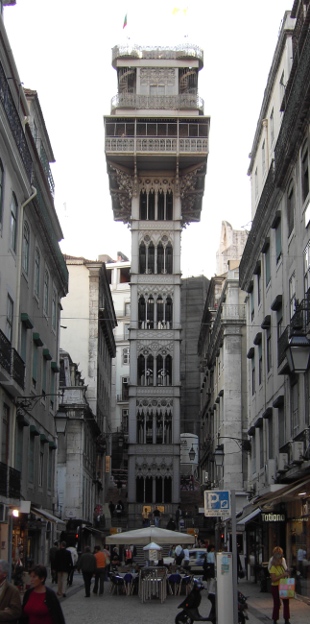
[297, 353]
[218, 456]
[192, 454]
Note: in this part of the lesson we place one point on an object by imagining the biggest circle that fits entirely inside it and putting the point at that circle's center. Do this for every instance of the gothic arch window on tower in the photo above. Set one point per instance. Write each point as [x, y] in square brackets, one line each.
[154, 371]
[153, 489]
[164, 256]
[146, 257]
[145, 370]
[154, 427]
[156, 205]
[155, 312]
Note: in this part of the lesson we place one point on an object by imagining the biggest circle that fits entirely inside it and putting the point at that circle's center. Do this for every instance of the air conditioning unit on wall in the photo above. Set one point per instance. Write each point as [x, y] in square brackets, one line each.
[296, 452]
[282, 462]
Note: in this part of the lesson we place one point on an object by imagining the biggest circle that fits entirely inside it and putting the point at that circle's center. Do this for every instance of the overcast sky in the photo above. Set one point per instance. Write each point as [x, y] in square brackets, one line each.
[63, 51]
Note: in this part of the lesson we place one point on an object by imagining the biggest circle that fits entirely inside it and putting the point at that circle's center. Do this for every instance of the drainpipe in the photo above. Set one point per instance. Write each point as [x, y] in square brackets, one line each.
[19, 265]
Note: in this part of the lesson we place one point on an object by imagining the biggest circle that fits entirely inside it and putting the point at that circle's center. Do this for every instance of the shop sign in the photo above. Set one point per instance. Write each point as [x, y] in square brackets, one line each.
[273, 517]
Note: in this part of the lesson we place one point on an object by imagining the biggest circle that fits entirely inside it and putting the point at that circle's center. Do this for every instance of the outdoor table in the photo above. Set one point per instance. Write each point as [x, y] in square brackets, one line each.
[128, 580]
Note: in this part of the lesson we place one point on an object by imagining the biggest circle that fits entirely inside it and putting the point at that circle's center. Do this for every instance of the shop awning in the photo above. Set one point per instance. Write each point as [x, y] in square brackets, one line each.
[43, 513]
[249, 516]
[92, 530]
[287, 492]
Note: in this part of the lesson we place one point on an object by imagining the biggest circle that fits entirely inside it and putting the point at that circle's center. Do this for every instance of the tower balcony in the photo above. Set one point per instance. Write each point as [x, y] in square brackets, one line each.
[174, 103]
[180, 52]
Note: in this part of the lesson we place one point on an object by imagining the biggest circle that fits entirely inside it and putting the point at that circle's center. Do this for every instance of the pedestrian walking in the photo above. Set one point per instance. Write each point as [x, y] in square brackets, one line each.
[74, 557]
[156, 516]
[171, 525]
[40, 603]
[100, 571]
[63, 565]
[277, 572]
[10, 604]
[53, 551]
[111, 508]
[87, 565]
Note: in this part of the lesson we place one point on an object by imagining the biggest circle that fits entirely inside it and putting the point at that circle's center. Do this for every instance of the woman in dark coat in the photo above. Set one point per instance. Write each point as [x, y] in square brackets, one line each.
[40, 603]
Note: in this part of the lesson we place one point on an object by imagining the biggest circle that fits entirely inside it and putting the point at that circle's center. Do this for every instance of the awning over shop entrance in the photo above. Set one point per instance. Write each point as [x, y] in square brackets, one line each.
[286, 493]
[43, 513]
[250, 516]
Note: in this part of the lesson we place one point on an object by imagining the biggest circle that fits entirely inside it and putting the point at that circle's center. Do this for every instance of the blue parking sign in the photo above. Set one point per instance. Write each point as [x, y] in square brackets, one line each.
[217, 503]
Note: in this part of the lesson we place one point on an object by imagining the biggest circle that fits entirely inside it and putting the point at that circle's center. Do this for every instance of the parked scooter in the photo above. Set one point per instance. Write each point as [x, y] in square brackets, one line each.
[190, 612]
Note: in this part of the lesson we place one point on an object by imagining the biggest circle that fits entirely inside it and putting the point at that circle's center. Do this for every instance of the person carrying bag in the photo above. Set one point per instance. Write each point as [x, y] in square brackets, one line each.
[278, 573]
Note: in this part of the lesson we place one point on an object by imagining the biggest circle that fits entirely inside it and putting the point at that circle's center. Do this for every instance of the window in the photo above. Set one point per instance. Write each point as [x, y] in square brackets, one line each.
[5, 434]
[264, 157]
[282, 87]
[125, 416]
[31, 459]
[278, 241]
[54, 310]
[44, 376]
[267, 265]
[126, 355]
[126, 331]
[272, 127]
[127, 308]
[261, 447]
[19, 439]
[157, 89]
[290, 210]
[26, 248]
[34, 364]
[260, 364]
[41, 465]
[13, 223]
[1, 190]
[292, 295]
[9, 318]
[253, 375]
[271, 450]
[46, 292]
[125, 388]
[37, 261]
[23, 342]
[307, 267]
[304, 174]
[256, 183]
[268, 349]
[294, 406]
[252, 304]
[259, 288]
[50, 469]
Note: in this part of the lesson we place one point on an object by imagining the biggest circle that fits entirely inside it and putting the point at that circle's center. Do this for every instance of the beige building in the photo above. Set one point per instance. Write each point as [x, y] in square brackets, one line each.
[88, 321]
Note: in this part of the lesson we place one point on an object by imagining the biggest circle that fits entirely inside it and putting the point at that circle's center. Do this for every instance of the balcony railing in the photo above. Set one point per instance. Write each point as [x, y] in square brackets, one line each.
[11, 361]
[156, 144]
[163, 53]
[157, 102]
[15, 123]
[46, 166]
[10, 481]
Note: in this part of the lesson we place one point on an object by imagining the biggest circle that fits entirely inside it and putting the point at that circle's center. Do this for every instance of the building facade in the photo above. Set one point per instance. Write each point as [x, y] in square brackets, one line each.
[33, 280]
[156, 148]
[274, 271]
[88, 321]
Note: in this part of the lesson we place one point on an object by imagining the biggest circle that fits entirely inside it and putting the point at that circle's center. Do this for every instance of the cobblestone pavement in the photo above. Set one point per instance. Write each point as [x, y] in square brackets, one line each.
[122, 609]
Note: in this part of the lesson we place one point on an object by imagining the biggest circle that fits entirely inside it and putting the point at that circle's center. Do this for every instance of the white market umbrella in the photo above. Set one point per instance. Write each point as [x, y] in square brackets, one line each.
[152, 546]
[148, 534]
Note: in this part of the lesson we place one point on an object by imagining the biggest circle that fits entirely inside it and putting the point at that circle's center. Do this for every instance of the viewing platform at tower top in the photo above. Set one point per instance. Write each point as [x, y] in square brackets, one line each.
[179, 52]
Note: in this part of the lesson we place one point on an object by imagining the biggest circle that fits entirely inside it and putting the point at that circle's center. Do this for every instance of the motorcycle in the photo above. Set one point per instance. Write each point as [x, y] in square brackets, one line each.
[190, 611]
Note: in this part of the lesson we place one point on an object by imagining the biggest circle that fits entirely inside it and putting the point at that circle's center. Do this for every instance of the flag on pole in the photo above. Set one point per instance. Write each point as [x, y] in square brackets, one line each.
[177, 10]
[125, 21]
